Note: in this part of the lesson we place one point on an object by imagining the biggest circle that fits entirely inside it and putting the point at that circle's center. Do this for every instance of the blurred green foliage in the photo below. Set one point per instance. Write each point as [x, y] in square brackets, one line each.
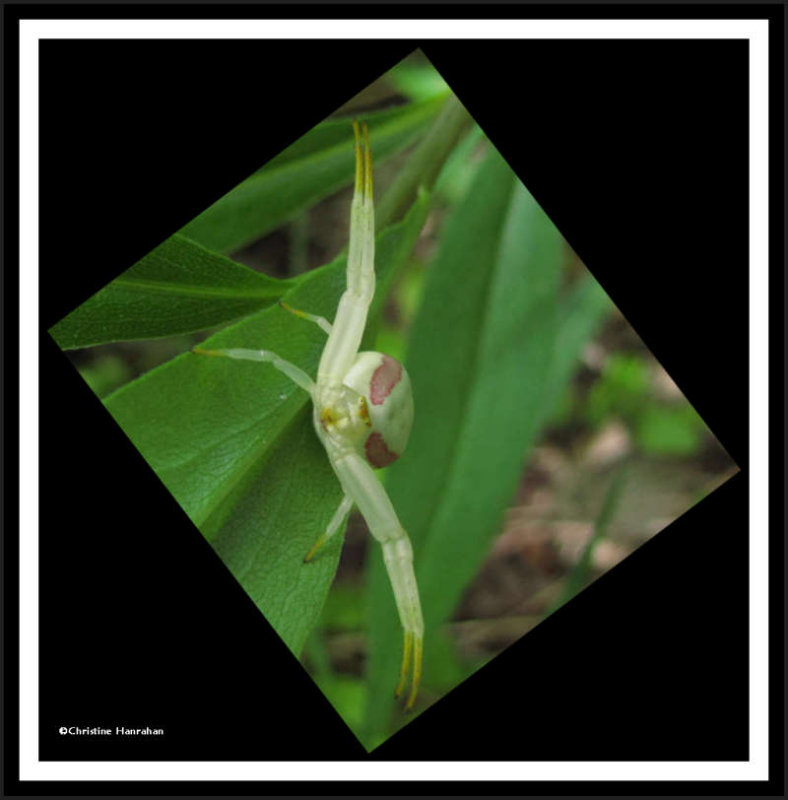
[675, 430]
[344, 608]
[417, 80]
[106, 374]
[625, 390]
[620, 390]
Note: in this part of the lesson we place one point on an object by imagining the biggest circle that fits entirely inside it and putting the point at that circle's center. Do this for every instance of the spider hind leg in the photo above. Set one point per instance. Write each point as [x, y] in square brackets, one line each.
[411, 666]
[333, 527]
[398, 557]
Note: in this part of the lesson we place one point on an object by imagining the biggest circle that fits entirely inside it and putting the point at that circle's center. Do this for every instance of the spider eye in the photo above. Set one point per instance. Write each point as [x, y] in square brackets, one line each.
[385, 387]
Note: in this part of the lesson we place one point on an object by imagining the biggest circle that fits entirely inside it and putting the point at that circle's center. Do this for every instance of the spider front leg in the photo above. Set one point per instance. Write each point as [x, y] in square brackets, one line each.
[351, 317]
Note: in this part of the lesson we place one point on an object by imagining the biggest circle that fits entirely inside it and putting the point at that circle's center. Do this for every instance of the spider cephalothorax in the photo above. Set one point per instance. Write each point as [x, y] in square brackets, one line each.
[363, 412]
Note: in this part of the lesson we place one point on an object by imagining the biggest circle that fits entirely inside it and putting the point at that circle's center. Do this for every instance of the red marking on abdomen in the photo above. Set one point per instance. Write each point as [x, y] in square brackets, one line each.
[378, 453]
[384, 379]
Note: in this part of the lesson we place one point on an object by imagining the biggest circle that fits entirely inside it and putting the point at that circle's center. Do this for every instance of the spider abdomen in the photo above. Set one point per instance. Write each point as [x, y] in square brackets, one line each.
[386, 406]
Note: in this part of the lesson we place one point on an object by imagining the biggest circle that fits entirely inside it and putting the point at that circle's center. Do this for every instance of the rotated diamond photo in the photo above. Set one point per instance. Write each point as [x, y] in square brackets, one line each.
[393, 399]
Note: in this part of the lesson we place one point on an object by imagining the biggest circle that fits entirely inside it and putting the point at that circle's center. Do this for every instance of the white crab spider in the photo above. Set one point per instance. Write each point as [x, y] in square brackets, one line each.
[363, 412]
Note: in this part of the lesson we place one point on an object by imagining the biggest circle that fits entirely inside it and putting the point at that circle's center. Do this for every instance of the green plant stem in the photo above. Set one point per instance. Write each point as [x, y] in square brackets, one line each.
[425, 162]
[581, 573]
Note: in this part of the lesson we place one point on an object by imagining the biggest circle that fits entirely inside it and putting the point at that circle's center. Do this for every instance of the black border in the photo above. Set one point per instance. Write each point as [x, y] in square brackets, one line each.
[12, 13]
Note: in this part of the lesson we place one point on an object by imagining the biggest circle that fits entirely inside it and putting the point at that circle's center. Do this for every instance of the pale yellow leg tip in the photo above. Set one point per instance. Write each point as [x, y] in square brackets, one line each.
[367, 163]
[416, 681]
[294, 311]
[405, 669]
[311, 554]
[411, 667]
[359, 187]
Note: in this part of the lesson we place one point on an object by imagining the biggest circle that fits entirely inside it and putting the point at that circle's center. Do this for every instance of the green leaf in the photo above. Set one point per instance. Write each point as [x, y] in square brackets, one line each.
[317, 164]
[425, 162]
[233, 442]
[479, 360]
[580, 315]
[180, 287]
[460, 168]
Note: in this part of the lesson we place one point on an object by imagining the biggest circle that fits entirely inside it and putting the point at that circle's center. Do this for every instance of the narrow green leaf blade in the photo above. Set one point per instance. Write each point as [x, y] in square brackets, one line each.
[479, 359]
[333, 131]
[582, 571]
[580, 315]
[180, 287]
[233, 442]
[319, 163]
